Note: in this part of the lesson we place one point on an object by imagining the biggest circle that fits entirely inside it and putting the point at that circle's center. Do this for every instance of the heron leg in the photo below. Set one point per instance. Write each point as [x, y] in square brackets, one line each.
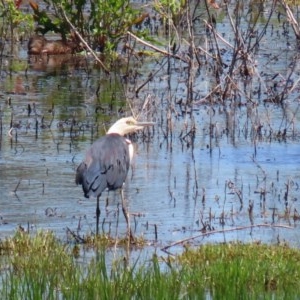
[97, 215]
[126, 215]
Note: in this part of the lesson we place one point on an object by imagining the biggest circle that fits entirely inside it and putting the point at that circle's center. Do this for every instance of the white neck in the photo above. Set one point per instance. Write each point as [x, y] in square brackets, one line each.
[130, 148]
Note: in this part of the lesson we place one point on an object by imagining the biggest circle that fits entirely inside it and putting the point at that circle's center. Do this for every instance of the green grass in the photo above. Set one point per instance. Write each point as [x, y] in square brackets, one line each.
[244, 271]
[41, 267]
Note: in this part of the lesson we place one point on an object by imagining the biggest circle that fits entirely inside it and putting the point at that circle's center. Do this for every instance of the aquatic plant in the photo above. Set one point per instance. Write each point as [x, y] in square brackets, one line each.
[14, 22]
[101, 23]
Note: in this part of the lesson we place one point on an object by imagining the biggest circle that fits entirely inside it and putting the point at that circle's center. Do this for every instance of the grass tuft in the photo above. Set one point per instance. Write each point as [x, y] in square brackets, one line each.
[41, 267]
[243, 270]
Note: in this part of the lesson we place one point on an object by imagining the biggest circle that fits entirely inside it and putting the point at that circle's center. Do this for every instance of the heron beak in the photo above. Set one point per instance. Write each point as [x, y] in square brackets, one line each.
[144, 124]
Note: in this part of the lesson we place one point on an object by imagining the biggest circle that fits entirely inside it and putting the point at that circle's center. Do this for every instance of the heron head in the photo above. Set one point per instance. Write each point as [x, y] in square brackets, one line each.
[128, 125]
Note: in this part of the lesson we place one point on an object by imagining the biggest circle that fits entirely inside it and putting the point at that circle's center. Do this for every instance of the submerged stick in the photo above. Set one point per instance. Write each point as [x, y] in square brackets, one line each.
[223, 231]
[17, 186]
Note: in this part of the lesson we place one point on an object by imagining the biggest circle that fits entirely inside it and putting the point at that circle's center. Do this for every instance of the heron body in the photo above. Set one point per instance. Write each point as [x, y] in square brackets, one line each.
[107, 163]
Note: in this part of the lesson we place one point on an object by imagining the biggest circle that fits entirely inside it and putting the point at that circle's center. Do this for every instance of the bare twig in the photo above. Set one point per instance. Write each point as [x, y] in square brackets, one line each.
[77, 238]
[223, 231]
[203, 100]
[219, 56]
[150, 78]
[85, 43]
[291, 19]
[155, 48]
[17, 186]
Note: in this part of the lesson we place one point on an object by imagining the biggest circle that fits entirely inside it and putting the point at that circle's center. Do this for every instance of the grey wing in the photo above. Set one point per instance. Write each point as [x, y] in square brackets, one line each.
[106, 165]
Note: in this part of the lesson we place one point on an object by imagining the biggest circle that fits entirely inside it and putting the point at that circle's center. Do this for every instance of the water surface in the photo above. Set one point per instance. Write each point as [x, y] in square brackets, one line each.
[240, 168]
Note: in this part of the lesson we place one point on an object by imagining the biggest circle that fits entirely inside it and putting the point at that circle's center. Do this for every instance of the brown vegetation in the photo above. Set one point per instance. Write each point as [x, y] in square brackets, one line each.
[38, 44]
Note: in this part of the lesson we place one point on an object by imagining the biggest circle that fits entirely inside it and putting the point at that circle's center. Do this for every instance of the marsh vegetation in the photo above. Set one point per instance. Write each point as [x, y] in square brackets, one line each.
[40, 267]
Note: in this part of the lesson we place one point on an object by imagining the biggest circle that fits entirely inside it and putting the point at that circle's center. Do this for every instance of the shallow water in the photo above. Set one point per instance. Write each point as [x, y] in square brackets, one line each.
[178, 185]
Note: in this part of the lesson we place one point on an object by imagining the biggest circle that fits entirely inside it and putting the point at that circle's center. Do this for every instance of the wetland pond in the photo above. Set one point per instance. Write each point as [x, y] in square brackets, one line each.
[228, 167]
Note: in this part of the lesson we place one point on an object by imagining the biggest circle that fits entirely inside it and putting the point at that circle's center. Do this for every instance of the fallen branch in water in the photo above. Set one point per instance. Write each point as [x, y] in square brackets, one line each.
[166, 53]
[76, 237]
[85, 43]
[223, 231]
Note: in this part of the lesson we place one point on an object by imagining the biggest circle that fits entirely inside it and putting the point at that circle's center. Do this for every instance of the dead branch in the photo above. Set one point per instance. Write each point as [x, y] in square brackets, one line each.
[76, 237]
[155, 48]
[85, 43]
[218, 35]
[291, 19]
[204, 99]
[150, 77]
[223, 231]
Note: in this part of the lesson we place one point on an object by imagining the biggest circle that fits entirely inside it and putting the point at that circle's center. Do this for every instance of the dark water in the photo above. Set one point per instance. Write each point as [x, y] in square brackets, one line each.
[240, 168]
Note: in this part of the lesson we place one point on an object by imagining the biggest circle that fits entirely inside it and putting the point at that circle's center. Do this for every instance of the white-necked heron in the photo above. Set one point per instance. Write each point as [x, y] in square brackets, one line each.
[107, 163]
